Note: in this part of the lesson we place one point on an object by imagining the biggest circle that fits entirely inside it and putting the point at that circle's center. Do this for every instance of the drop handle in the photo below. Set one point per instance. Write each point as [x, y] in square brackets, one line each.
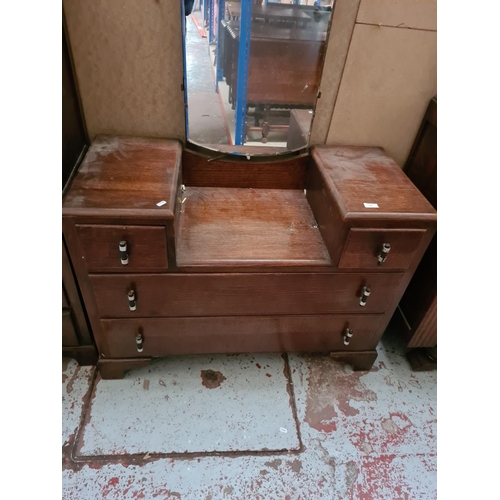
[131, 300]
[347, 336]
[386, 248]
[365, 293]
[123, 252]
[138, 342]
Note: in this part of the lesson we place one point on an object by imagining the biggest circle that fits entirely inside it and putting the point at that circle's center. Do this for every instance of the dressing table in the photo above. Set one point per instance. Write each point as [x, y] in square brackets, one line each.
[178, 253]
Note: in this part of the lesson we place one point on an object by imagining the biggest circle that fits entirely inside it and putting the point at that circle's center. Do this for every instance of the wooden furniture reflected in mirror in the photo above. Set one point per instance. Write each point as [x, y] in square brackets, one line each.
[419, 303]
[267, 63]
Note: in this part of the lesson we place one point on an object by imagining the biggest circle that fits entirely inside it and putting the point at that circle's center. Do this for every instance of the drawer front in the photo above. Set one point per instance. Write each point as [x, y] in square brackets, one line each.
[216, 335]
[69, 336]
[159, 295]
[146, 248]
[363, 247]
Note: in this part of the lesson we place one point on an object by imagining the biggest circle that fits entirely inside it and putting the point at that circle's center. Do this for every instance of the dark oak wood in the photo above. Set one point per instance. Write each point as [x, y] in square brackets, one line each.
[403, 284]
[284, 68]
[359, 175]
[146, 247]
[126, 176]
[420, 360]
[248, 227]
[241, 294]
[172, 336]
[77, 340]
[419, 302]
[84, 354]
[238, 215]
[111, 369]
[201, 171]
[326, 211]
[72, 301]
[75, 250]
[65, 302]
[360, 361]
[69, 335]
[421, 166]
[74, 137]
[364, 245]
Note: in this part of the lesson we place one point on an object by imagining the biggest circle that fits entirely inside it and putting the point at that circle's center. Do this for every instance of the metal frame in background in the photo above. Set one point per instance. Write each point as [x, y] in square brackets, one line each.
[210, 21]
[184, 74]
[243, 62]
[218, 69]
[204, 10]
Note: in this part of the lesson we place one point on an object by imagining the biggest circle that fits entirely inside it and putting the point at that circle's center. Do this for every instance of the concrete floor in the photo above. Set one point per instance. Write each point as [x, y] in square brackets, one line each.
[207, 123]
[251, 427]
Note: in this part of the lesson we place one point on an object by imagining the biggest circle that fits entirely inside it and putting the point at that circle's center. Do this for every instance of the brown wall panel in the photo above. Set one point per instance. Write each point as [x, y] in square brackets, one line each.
[342, 25]
[129, 67]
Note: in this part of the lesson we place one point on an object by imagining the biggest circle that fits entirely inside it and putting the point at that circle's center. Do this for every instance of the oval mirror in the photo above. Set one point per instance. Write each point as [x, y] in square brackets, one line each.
[252, 72]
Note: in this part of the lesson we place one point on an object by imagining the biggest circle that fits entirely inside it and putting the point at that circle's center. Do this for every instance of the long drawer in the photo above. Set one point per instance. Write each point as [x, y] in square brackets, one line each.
[171, 336]
[180, 295]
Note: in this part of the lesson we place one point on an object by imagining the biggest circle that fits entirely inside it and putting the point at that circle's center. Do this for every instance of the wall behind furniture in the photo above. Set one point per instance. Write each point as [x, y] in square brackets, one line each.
[380, 74]
[129, 66]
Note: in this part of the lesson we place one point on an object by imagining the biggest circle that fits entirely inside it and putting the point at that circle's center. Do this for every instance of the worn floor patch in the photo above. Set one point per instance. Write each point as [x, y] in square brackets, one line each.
[365, 435]
[75, 384]
[193, 404]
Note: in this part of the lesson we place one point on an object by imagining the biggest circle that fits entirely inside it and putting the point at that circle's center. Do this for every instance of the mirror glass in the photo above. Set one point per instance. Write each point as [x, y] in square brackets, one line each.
[253, 69]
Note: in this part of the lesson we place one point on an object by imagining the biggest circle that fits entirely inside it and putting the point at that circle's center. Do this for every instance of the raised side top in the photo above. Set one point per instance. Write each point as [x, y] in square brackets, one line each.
[368, 184]
[126, 176]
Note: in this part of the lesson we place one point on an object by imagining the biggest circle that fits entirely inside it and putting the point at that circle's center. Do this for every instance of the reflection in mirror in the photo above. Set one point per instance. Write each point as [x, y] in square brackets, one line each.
[253, 69]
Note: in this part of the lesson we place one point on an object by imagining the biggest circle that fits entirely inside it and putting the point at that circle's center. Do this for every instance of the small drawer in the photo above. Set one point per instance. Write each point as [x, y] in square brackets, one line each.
[157, 295]
[145, 248]
[128, 338]
[363, 248]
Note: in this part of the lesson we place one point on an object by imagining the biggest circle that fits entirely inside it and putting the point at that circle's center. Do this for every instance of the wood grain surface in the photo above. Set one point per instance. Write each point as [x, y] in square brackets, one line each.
[241, 294]
[248, 227]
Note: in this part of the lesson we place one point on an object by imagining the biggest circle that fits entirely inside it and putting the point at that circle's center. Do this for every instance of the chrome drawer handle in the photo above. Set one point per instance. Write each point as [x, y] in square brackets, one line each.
[386, 248]
[364, 296]
[131, 300]
[123, 252]
[138, 341]
[347, 336]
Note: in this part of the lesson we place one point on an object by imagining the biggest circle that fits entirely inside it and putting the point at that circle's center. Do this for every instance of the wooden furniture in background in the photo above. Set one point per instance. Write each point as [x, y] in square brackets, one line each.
[284, 70]
[176, 254]
[74, 140]
[76, 338]
[419, 303]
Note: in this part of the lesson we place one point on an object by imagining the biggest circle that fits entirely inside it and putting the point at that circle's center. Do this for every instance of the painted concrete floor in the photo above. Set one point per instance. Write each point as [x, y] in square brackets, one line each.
[251, 427]
[207, 124]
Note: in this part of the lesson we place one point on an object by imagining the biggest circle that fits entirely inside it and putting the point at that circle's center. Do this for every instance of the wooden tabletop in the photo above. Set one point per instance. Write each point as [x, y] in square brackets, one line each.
[365, 181]
[125, 175]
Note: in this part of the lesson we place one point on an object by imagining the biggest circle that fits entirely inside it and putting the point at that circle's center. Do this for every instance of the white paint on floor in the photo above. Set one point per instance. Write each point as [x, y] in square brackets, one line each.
[193, 404]
[366, 436]
[75, 384]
